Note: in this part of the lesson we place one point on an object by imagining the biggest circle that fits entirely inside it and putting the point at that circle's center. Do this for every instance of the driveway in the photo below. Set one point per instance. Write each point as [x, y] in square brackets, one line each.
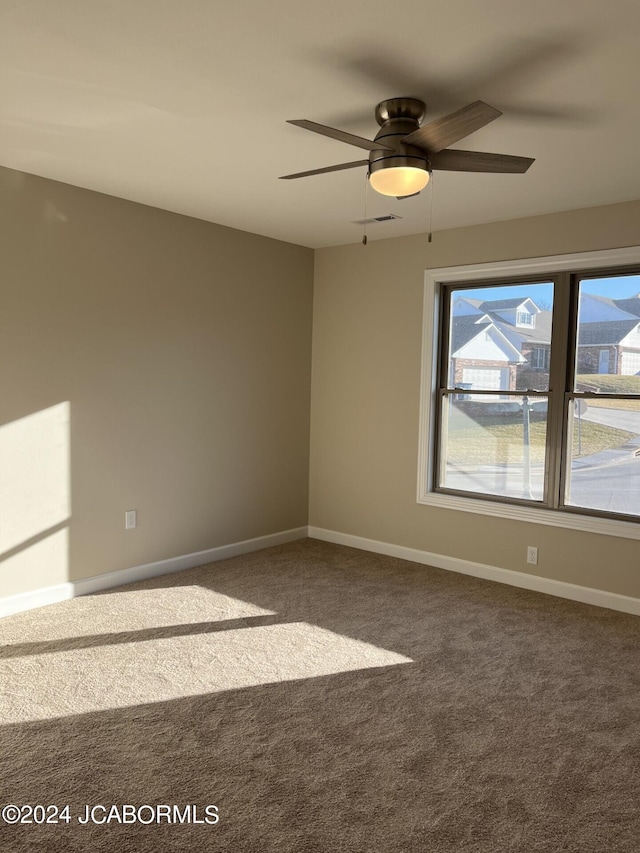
[616, 418]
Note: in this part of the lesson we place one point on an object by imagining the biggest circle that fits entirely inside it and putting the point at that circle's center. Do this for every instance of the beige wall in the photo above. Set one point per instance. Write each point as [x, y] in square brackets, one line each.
[366, 391]
[183, 351]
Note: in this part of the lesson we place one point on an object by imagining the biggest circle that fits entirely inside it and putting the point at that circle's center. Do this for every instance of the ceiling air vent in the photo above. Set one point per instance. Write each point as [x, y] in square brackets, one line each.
[376, 219]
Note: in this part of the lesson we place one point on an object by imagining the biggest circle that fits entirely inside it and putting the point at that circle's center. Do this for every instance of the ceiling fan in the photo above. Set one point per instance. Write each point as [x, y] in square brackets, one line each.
[403, 154]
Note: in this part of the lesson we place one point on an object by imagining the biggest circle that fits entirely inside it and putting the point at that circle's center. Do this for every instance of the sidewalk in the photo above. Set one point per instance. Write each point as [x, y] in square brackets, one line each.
[609, 457]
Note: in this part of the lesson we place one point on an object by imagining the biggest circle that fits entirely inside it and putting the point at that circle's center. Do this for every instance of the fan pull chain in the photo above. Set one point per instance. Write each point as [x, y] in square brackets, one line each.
[430, 204]
[364, 224]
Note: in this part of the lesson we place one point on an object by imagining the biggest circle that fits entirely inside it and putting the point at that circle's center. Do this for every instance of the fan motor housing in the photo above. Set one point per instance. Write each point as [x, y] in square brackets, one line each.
[398, 117]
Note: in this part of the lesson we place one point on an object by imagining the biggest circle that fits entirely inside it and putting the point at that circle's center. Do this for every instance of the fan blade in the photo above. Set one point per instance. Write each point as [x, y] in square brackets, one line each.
[445, 131]
[340, 135]
[454, 160]
[338, 168]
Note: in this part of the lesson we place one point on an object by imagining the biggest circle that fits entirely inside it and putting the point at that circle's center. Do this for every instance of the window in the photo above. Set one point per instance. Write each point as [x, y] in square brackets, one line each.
[535, 423]
[523, 318]
[540, 358]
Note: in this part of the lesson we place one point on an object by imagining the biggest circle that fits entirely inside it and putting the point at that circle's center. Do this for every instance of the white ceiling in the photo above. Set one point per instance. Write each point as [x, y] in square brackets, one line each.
[182, 104]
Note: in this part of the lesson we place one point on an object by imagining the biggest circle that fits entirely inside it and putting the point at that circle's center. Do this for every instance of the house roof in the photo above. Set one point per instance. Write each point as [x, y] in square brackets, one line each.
[610, 333]
[591, 331]
[540, 333]
[464, 329]
[499, 304]
[595, 308]
[631, 305]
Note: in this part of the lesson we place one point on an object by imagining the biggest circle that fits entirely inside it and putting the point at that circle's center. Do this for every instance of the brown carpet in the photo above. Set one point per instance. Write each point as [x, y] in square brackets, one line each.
[324, 699]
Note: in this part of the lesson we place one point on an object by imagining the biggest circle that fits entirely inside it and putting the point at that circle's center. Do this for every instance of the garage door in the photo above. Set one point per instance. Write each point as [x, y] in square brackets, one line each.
[630, 363]
[486, 378]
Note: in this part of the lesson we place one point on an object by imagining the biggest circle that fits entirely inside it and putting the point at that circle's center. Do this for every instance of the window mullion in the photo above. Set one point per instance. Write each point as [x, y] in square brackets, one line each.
[441, 381]
[558, 371]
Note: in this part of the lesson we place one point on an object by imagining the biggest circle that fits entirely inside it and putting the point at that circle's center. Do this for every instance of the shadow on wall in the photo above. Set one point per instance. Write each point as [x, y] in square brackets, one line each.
[35, 498]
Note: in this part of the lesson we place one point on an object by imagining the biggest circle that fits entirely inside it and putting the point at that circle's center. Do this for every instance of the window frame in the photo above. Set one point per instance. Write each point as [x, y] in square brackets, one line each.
[558, 268]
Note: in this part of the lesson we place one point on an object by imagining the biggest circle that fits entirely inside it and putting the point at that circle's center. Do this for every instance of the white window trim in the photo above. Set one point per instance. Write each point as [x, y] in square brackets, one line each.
[478, 272]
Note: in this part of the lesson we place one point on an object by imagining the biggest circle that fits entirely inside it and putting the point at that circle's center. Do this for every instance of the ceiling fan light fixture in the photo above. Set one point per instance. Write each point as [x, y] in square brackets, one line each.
[399, 180]
[404, 151]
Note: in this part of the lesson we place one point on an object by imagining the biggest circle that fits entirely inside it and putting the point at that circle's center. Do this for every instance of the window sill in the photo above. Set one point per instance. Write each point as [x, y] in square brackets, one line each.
[533, 515]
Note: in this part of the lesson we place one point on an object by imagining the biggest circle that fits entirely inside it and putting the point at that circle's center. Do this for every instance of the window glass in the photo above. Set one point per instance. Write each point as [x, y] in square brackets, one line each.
[603, 472]
[500, 338]
[608, 353]
[495, 446]
[604, 436]
[493, 424]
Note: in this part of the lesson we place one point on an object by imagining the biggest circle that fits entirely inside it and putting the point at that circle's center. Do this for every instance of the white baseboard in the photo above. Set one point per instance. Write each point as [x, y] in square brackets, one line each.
[85, 586]
[561, 589]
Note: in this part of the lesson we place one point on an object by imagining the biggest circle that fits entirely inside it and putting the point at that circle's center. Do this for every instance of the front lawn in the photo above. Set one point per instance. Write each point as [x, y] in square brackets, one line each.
[606, 383]
[494, 442]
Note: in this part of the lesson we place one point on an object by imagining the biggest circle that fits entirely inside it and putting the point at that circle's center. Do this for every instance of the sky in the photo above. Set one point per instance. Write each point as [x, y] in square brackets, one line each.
[616, 287]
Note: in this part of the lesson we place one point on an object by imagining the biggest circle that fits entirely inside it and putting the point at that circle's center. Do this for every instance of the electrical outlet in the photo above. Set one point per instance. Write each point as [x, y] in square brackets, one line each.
[532, 555]
[130, 519]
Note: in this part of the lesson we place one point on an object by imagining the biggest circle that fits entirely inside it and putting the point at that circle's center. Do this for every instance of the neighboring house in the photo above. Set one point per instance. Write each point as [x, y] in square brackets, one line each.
[504, 344]
[609, 335]
[494, 342]
[483, 356]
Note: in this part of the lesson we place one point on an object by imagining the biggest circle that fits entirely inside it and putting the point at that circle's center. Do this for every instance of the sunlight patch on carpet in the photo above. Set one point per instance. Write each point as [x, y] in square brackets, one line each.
[126, 610]
[79, 681]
